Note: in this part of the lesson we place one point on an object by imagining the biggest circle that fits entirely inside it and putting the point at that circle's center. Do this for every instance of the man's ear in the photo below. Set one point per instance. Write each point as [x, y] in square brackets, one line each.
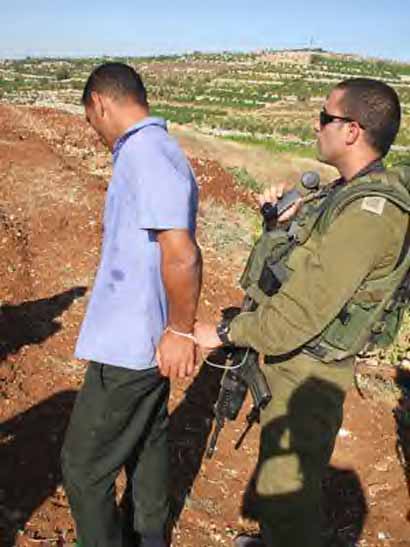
[98, 103]
[353, 133]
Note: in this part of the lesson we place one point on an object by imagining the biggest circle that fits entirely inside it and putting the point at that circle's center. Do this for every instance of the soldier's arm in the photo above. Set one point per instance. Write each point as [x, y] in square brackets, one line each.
[358, 244]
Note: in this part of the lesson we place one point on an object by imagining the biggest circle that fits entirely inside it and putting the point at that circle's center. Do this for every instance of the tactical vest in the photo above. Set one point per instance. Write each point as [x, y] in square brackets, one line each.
[372, 317]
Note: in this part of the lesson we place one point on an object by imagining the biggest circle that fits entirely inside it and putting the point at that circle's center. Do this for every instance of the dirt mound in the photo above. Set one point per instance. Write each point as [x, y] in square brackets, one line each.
[216, 183]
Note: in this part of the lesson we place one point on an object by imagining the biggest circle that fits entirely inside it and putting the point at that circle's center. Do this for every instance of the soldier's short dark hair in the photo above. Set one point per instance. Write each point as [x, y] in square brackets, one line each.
[376, 107]
[118, 81]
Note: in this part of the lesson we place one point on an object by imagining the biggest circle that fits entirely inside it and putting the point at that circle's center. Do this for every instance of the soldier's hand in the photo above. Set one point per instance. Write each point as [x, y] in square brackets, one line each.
[176, 355]
[273, 194]
[206, 335]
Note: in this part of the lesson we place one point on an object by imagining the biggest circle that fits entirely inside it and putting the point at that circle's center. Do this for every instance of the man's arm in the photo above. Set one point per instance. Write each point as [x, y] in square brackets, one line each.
[181, 268]
[325, 277]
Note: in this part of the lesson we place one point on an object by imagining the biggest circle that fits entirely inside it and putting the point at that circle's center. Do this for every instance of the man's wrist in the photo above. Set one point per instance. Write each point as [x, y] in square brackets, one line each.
[181, 333]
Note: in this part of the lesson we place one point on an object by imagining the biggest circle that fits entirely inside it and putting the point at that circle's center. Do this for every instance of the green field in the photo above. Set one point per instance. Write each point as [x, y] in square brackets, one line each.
[269, 98]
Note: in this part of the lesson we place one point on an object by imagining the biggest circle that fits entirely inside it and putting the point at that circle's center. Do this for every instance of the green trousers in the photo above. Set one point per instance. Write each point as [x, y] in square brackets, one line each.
[299, 429]
[120, 418]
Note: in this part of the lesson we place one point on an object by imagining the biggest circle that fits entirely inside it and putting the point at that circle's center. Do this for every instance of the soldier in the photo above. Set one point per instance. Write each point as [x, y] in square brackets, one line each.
[310, 329]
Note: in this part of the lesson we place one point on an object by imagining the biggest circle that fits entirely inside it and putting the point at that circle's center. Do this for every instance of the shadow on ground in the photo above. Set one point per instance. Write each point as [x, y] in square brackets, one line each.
[30, 445]
[402, 417]
[345, 507]
[30, 442]
[302, 498]
[190, 426]
[34, 321]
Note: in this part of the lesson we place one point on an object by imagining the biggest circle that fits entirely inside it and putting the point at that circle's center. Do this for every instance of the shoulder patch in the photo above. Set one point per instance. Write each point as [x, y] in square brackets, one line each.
[373, 204]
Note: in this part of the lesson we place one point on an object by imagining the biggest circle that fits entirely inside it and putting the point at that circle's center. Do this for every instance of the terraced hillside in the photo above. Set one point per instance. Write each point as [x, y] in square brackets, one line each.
[268, 98]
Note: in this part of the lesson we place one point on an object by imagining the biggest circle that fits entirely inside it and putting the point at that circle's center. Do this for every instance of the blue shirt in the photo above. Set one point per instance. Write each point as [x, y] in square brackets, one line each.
[152, 188]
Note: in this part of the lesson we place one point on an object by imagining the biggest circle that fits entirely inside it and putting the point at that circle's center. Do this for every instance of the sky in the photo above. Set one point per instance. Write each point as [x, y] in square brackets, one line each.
[376, 28]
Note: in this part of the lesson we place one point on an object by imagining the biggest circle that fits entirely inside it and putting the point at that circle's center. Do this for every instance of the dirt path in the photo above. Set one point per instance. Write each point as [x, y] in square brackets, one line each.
[51, 200]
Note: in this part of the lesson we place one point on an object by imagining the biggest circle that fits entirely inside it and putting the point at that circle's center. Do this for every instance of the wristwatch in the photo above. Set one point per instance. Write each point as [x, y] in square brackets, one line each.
[222, 330]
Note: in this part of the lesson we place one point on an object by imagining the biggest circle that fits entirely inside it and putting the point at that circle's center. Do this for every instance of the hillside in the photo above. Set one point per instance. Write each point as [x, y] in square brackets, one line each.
[270, 97]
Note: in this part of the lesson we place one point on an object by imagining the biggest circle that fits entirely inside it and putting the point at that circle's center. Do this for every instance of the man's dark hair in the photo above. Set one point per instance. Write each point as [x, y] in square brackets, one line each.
[376, 107]
[118, 81]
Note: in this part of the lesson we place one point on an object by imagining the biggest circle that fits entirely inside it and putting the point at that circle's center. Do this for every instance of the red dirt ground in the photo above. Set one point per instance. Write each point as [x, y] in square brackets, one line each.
[52, 194]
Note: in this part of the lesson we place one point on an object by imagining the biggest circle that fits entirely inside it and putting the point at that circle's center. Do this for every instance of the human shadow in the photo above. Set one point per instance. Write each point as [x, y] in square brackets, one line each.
[30, 442]
[293, 489]
[402, 416]
[30, 445]
[345, 507]
[190, 426]
[34, 321]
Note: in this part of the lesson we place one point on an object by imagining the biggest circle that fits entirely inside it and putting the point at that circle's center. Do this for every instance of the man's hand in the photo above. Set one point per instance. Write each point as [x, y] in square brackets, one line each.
[206, 335]
[175, 355]
[273, 194]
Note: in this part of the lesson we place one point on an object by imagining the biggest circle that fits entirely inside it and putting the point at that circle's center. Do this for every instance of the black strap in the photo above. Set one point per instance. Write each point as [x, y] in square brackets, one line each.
[376, 166]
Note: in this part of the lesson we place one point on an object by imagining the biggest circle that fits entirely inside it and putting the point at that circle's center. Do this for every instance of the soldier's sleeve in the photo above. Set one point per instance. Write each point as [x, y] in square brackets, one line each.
[362, 241]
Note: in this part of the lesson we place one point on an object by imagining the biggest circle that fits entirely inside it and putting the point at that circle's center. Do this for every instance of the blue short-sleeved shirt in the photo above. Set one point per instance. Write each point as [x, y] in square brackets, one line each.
[152, 188]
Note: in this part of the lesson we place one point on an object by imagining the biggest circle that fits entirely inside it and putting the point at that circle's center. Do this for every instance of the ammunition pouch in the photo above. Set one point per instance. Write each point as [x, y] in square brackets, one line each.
[371, 319]
[374, 314]
[265, 270]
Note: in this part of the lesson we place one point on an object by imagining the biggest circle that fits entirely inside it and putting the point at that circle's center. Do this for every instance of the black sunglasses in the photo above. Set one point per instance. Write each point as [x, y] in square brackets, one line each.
[325, 118]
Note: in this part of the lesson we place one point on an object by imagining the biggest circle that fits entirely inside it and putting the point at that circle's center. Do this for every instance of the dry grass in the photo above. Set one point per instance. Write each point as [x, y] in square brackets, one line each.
[399, 350]
[263, 165]
[228, 232]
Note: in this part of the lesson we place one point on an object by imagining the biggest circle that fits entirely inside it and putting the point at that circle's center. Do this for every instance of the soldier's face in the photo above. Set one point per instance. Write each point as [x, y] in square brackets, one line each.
[331, 136]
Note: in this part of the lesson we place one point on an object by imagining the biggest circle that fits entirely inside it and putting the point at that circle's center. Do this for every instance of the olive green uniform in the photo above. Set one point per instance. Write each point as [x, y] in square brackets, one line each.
[300, 425]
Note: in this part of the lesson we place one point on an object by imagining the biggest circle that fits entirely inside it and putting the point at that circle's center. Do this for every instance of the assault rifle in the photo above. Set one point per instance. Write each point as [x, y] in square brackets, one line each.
[243, 372]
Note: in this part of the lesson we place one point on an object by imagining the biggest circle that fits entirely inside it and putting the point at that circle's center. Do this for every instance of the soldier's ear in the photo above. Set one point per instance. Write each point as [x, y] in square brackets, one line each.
[353, 133]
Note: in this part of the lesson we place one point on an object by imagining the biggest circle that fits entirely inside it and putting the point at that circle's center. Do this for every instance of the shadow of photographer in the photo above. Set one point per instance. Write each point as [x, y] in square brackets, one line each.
[287, 492]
